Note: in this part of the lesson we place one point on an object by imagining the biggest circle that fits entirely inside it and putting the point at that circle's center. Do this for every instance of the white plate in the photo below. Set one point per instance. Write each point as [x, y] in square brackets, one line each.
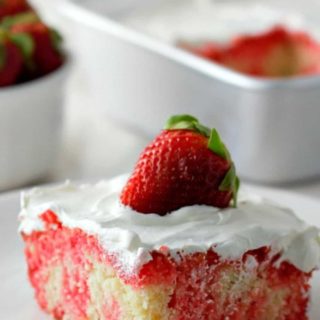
[16, 296]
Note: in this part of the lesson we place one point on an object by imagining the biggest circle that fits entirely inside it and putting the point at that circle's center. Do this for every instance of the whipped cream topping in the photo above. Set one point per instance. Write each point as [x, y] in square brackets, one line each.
[131, 235]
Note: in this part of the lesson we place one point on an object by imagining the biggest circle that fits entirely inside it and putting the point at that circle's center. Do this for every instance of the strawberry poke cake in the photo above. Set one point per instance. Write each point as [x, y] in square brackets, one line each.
[172, 241]
[278, 52]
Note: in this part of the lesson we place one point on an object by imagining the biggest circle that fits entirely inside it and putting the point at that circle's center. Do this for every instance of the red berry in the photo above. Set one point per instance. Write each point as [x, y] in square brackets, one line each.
[179, 169]
[12, 7]
[46, 57]
[11, 62]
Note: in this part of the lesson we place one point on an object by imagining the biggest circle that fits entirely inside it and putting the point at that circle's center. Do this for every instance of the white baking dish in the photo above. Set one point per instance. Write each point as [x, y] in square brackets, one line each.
[271, 126]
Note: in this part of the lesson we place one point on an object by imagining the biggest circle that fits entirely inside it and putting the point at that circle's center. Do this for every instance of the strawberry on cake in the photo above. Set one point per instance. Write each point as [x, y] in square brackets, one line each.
[171, 242]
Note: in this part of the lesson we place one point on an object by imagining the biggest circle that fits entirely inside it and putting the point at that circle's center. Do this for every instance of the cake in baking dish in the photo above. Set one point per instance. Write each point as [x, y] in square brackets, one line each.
[172, 241]
[276, 53]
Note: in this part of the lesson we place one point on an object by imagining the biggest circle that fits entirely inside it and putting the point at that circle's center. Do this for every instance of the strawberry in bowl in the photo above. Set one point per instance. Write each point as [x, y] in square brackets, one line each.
[11, 60]
[40, 44]
[46, 52]
[12, 7]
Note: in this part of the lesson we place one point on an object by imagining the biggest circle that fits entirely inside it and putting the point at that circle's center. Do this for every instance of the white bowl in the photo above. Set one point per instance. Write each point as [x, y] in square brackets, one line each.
[271, 126]
[30, 128]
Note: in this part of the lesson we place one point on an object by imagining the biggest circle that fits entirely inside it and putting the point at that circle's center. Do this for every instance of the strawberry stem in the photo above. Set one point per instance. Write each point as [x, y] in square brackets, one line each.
[217, 146]
[56, 39]
[25, 42]
[231, 182]
[186, 122]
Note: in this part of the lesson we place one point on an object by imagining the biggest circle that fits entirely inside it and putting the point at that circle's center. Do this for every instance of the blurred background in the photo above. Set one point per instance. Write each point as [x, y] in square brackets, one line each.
[114, 71]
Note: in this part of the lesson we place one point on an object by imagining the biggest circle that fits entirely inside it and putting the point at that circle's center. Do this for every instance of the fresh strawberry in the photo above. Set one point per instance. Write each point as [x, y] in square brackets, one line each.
[11, 61]
[186, 164]
[12, 7]
[44, 54]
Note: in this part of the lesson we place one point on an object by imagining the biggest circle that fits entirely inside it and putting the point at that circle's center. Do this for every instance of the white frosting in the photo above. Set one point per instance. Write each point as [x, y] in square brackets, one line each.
[131, 235]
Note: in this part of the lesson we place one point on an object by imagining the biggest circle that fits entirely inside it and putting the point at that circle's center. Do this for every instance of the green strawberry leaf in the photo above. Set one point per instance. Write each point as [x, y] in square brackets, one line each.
[21, 18]
[229, 179]
[231, 183]
[217, 146]
[186, 122]
[56, 39]
[25, 42]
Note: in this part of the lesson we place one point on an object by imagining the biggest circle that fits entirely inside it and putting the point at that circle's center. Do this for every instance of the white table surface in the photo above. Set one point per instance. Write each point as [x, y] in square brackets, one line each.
[95, 147]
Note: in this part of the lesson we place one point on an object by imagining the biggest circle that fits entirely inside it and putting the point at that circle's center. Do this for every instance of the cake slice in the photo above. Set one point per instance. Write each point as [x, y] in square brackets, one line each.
[113, 251]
